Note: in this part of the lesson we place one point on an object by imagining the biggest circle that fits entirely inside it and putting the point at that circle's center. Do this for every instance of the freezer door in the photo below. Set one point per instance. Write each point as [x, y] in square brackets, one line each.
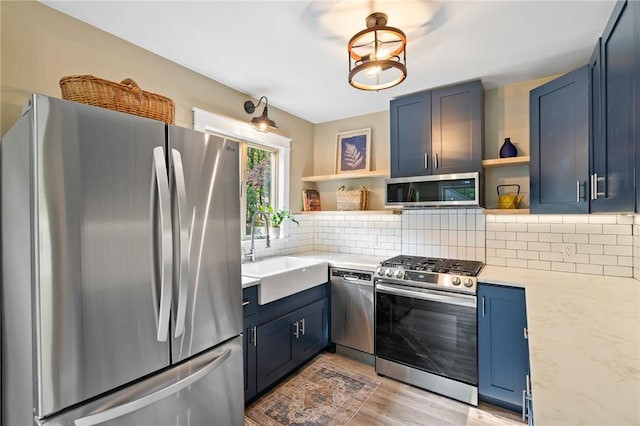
[207, 305]
[97, 308]
[204, 391]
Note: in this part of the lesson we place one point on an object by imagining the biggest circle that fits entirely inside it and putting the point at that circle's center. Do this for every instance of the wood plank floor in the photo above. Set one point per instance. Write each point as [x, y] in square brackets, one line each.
[398, 404]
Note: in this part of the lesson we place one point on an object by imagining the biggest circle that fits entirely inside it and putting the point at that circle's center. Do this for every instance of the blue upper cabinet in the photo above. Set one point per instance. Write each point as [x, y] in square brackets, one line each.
[411, 135]
[636, 13]
[559, 167]
[614, 156]
[457, 128]
[503, 350]
[438, 131]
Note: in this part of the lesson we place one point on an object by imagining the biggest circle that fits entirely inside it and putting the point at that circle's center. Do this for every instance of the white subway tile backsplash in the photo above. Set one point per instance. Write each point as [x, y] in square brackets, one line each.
[602, 239]
[618, 271]
[565, 228]
[575, 238]
[617, 229]
[603, 244]
[586, 268]
[602, 219]
[603, 259]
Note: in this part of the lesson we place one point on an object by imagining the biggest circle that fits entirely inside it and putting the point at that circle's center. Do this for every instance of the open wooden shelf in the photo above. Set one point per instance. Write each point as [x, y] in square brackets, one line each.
[506, 211]
[511, 161]
[357, 175]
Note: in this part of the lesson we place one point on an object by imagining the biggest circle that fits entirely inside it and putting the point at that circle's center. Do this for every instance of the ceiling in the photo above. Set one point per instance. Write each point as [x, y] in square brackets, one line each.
[294, 52]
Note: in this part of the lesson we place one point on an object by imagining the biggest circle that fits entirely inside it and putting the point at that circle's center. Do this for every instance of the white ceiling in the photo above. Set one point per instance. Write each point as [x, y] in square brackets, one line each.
[294, 52]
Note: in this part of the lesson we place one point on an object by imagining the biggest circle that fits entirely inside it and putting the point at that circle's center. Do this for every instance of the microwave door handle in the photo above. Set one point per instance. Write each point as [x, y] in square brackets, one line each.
[183, 245]
[160, 186]
[145, 401]
[450, 298]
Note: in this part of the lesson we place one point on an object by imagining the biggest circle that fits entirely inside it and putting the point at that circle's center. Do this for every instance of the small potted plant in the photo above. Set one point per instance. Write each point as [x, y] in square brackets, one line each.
[276, 217]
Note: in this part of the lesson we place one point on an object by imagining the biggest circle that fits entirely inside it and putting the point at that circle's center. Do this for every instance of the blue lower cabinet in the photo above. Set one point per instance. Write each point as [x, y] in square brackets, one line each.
[282, 335]
[503, 350]
[249, 345]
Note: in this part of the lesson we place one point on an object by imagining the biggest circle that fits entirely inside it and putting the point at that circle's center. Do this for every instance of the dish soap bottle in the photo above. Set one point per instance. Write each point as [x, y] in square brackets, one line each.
[508, 149]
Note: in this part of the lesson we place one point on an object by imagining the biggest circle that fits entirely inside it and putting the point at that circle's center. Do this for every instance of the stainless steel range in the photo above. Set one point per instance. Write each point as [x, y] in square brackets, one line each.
[426, 324]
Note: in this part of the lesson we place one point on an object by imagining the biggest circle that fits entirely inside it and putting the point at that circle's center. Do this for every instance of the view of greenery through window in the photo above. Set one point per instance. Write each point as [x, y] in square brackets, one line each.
[259, 184]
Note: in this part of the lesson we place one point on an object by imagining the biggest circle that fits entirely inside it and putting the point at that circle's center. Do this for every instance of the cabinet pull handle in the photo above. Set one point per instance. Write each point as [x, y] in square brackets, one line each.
[302, 326]
[245, 302]
[426, 160]
[597, 179]
[526, 333]
[297, 332]
[437, 162]
[524, 405]
[254, 336]
[577, 191]
[483, 307]
[592, 185]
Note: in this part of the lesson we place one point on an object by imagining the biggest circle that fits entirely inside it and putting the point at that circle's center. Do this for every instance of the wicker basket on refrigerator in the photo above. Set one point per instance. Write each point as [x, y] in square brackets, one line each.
[124, 97]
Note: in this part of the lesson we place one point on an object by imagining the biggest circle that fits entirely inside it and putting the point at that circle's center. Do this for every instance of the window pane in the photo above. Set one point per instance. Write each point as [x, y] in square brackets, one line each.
[259, 183]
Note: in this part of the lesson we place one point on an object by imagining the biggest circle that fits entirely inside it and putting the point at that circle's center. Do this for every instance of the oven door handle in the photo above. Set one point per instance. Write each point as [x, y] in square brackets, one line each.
[418, 293]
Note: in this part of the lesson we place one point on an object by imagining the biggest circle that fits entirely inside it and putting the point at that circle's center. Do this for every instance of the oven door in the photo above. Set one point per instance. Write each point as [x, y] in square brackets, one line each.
[430, 330]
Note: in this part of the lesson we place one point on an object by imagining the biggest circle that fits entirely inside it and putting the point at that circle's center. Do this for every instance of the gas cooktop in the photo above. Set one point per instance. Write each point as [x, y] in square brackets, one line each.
[431, 272]
[469, 268]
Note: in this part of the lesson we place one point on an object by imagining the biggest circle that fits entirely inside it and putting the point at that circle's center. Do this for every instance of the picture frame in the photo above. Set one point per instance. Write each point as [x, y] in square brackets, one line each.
[353, 151]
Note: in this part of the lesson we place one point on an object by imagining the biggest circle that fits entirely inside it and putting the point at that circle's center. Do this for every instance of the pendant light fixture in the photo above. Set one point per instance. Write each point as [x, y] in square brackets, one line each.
[262, 123]
[377, 55]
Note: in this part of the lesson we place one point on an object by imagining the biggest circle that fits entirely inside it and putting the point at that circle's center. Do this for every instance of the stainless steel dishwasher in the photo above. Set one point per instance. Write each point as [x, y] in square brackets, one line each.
[352, 312]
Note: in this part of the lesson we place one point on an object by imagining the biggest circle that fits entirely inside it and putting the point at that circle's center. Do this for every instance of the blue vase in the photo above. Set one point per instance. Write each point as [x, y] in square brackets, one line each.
[508, 149]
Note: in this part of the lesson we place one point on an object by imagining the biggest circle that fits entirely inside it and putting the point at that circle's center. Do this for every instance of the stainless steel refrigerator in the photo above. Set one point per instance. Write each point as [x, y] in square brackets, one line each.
[121, 294]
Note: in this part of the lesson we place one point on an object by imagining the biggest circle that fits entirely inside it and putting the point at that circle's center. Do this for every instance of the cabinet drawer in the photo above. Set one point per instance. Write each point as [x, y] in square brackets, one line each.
[249, 300]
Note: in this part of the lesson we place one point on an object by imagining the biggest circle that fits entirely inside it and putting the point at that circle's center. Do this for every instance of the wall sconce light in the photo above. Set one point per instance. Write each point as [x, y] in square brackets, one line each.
[377, 55]
[262, 123]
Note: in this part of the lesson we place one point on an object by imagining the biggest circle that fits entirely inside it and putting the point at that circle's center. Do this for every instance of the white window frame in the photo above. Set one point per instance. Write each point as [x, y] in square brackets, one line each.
[205, 121]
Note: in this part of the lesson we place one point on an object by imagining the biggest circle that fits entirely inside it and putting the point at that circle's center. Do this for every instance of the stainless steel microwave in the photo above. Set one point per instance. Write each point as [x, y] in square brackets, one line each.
[454, 190]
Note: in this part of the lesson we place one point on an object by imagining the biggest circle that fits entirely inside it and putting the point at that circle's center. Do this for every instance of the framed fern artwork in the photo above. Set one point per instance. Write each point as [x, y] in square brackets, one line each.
[354, 151]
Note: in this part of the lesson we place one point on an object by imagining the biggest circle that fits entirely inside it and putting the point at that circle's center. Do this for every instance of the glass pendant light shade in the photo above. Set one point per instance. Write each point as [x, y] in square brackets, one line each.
[377, 55]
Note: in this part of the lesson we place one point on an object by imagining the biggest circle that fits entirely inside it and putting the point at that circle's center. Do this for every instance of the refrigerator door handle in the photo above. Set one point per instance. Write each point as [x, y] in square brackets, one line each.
[161, 181]
[183, 245]
[135, 405]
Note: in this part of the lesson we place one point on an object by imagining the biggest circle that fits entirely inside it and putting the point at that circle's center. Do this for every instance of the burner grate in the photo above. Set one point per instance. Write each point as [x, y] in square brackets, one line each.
[469, 268]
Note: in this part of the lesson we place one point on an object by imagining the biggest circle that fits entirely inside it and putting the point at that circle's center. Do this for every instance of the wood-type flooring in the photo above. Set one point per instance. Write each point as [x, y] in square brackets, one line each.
[398, 404]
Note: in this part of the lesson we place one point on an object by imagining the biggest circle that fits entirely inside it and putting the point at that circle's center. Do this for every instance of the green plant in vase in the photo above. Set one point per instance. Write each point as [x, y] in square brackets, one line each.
[277, 217]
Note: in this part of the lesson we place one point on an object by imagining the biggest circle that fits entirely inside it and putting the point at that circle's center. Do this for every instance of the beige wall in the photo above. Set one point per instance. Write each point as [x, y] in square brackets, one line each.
[40, 45]
[506, 115]
[325, 149]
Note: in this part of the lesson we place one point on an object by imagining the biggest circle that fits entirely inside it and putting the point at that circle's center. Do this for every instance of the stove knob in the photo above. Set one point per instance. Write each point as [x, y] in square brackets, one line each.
[399, 273]
[389, 272]
[468, 282]
[455, 280]
[380, 271]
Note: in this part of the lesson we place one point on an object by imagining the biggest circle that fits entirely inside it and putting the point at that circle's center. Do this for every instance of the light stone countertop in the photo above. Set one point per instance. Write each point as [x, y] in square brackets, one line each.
[584, 345]
[345, 260]
[249, 281]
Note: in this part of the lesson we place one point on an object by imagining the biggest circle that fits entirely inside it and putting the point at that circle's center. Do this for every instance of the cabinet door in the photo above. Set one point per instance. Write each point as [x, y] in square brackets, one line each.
[457, 128]
[614, 167]
[314, 329]
[636, 93]
[559, 163]
[277, 345]
[503, 353]
[411, 135]
[249, 352]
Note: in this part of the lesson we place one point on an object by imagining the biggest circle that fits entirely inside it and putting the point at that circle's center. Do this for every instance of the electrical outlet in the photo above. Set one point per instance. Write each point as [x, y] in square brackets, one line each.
[568, 252]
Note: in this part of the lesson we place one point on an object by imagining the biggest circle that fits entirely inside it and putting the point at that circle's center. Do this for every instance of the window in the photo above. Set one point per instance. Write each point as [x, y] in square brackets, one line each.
[264, 167]
[259, 182]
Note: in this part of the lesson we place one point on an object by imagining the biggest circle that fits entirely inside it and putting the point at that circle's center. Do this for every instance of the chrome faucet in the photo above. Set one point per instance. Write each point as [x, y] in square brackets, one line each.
[251, 256]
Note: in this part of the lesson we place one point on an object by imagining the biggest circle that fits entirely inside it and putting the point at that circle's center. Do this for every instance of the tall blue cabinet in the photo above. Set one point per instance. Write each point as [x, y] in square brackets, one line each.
[503, 350]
